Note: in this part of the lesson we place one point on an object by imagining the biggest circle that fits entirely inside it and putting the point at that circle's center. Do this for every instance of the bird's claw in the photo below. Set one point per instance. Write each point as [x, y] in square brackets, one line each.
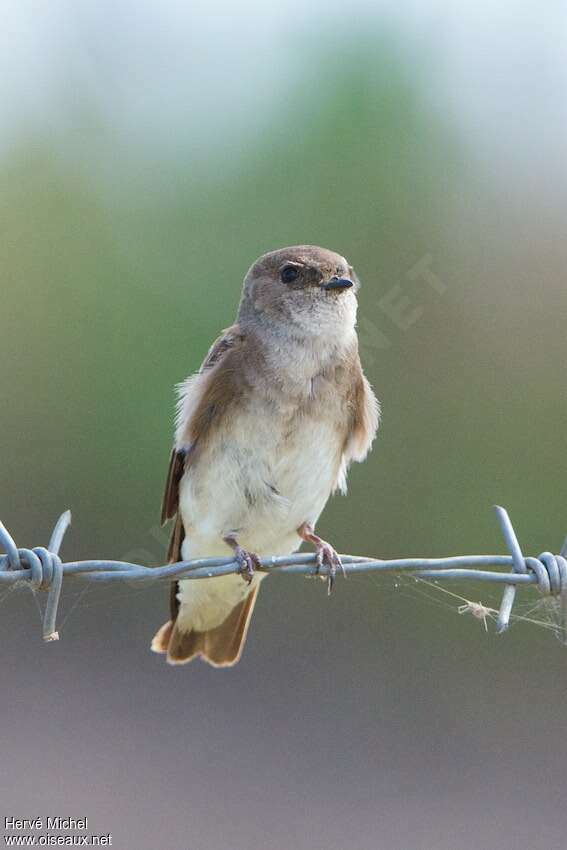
[248, 562]
[326, 555]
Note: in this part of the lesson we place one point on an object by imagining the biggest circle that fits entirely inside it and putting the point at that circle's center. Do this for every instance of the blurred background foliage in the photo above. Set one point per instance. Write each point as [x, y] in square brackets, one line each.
[148, 154]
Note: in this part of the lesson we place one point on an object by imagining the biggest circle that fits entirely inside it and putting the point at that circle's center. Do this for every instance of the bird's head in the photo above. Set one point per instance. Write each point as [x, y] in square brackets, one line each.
[305, 288]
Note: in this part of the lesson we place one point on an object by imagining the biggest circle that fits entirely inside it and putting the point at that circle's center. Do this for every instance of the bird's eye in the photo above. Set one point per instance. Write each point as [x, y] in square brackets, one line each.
[289, 274]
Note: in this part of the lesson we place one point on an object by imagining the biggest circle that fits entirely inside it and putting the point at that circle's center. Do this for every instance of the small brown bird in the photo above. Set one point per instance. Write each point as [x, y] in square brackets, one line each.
[265, 433]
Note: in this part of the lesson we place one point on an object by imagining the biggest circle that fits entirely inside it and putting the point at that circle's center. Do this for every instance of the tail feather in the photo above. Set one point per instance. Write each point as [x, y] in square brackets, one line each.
[220, 646]
[162, 637]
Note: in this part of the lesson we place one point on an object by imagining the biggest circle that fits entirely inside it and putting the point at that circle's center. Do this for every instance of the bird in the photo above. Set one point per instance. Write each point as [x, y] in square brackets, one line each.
[265, 432]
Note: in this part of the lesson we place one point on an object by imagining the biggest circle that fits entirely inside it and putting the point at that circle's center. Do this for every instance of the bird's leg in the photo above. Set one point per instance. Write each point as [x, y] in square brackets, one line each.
[247, 561]
[325, 553]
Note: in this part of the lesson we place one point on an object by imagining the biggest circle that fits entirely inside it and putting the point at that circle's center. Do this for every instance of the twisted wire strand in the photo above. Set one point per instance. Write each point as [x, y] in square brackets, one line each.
[42, 569]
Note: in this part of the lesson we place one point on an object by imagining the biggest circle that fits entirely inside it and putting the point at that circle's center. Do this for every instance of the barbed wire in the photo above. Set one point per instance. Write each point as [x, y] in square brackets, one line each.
[41, 568]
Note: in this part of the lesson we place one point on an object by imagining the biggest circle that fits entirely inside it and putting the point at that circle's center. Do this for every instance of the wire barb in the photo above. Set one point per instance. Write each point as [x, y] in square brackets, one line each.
[41, 568]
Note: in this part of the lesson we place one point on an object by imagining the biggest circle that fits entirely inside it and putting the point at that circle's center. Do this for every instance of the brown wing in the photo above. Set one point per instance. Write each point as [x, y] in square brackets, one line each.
[201, 396]
[175, 472]
[364, 416]
[365, 410]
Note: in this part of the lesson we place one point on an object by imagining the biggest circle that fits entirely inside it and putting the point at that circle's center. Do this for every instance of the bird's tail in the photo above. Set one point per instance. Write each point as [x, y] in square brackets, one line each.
[220, 645]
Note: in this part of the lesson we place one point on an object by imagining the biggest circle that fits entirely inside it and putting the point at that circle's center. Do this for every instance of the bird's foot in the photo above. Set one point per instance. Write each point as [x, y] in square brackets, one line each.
[248, 562]
[325, 555]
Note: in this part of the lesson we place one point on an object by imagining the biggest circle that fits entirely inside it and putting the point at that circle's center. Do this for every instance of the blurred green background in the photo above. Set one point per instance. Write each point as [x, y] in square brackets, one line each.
[148, 153]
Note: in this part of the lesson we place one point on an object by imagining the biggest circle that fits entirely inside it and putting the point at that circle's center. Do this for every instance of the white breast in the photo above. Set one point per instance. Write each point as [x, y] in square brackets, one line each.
[260, 482]
[229, 490]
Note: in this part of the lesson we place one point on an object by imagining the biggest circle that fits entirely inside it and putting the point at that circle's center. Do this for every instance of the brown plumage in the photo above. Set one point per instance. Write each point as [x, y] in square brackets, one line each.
[221, 646]
[280, 404]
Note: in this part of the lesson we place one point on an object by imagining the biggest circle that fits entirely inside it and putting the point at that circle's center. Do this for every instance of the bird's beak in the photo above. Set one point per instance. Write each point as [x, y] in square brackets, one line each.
[337, 283]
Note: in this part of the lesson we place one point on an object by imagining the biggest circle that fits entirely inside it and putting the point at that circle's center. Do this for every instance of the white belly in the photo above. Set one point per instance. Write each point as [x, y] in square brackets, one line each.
[259, 488]
[259, 481]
